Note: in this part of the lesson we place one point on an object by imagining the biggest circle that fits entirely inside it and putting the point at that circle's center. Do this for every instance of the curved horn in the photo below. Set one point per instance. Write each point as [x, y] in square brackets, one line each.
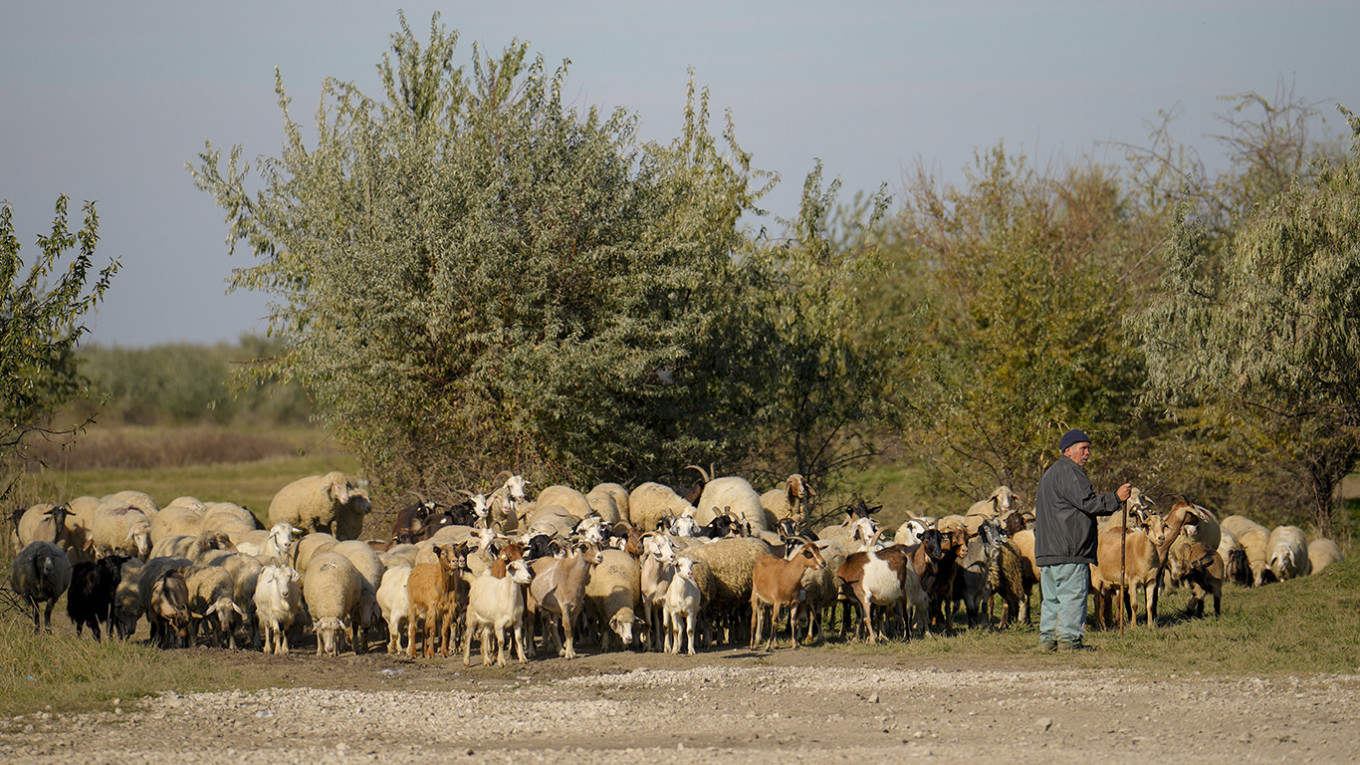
[701, 472]
[508, 475]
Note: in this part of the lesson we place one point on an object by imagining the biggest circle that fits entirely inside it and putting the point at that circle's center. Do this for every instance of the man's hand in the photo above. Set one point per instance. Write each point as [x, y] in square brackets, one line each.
[1123, 492]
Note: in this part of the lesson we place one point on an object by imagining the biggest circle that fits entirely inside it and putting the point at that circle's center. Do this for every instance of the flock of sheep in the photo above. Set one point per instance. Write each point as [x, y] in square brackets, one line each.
[657, 567]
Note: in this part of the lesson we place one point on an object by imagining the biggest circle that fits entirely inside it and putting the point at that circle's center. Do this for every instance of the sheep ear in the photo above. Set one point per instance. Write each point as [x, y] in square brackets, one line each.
[238, 610]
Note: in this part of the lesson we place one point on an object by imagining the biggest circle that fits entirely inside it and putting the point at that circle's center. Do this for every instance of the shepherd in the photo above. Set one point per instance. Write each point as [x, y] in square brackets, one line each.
[1065, 539]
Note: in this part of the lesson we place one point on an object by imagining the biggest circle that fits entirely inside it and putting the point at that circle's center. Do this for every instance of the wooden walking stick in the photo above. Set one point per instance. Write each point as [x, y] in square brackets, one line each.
[1123, 570]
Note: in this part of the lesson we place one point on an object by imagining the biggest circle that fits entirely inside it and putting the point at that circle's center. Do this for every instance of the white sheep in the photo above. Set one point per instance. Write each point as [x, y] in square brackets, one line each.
[613, 595]
[277, 542]
[395, 602]
[494, 605]
[1255, 541]
[331, 587]
[1323, 553]
[121, 530]
[132, 498]
[618, 494]
[650, 503]
[996, 505]
[569, 499]
[308, 547]
[278, 603]
[333, 503]
[734, 495]
[229, 517]
[1288, 552]
[210, 600]
[371, 568]
[176, 521]
[45, 523]
[40, 573]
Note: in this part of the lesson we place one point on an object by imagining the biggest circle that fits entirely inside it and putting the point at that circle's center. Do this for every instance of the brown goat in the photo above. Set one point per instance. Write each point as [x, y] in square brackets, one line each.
[777, 582]
[1203, 570]
[429, 586]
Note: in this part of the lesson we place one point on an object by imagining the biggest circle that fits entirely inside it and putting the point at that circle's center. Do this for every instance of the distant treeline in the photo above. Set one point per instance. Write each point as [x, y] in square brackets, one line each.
[180, 384]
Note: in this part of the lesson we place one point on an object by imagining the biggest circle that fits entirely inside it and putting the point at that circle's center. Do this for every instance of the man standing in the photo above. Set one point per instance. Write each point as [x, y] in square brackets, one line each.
[1065, 538]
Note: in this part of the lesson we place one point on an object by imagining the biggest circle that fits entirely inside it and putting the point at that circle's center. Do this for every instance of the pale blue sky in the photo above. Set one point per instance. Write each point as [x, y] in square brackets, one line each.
[107, 101]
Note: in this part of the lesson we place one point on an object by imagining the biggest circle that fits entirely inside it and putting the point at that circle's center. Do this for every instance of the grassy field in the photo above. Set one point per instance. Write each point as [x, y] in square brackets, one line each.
[1311, 625]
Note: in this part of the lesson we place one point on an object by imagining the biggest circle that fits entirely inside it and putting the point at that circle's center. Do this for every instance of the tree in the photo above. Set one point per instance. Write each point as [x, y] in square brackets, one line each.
[1022, 281]
[1276, 329]
[40, 327]
[829, 367]
[472, 276]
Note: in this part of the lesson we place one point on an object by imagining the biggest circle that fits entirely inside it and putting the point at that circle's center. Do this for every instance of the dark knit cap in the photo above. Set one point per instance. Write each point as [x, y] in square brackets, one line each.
[1072, 436]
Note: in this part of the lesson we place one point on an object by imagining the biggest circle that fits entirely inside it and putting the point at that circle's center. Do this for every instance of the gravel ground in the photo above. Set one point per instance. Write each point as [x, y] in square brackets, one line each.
[732, 706]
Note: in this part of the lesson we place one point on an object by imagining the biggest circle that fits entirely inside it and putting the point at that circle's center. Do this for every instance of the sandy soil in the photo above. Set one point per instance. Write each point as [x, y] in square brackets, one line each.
[721, 706]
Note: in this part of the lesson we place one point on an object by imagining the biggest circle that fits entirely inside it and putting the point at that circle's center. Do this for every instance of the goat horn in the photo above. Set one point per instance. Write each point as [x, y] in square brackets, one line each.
[701, 471]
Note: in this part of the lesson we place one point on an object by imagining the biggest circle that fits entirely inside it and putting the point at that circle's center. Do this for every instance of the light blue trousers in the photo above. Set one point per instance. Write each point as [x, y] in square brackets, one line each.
[1062, 616]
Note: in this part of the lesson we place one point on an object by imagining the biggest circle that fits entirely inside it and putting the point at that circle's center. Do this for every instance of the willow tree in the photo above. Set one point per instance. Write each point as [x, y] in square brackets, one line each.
[1276, 329]
[41, 310]
[469, 275]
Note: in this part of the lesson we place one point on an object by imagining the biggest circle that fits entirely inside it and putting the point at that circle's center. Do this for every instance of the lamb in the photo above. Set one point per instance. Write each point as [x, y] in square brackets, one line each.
[651, 502]
[559, 592]
[1255, 541]
[682, 603]
[734, 495]
[245, 576]
[122, 530]
[496, 604]
[331, 587]
[613, 594]
[777, 582]
[210, 600]
[278, 603]
[40, 573]
[89, 600]
[789, 502]
[334, 503]
[431, 589]
[1288, 547]
[1323, 553]
[394, 598]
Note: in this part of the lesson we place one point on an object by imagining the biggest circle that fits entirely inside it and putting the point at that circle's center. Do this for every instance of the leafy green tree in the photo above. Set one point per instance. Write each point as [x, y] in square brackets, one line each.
[40, 315]
[1023, 280]
[1274, 330]
[829, 366]
[470, 275]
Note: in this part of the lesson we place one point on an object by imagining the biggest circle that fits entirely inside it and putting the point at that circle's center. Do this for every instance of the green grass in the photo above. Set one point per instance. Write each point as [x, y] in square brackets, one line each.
[64, 673]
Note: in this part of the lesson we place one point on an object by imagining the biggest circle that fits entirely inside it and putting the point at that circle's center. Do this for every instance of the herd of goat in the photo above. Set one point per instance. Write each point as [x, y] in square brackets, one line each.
[655, 567]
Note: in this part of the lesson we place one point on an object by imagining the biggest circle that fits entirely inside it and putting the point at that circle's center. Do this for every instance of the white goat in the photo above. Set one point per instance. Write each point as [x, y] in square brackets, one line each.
[494, 605]
[682, 606]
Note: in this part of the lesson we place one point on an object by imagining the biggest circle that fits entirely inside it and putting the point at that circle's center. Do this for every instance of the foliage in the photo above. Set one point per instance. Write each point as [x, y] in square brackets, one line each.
[470, 275]
[181, 383]
[1023, 279]
[1274, 329]
[40, 327]
[829, 367]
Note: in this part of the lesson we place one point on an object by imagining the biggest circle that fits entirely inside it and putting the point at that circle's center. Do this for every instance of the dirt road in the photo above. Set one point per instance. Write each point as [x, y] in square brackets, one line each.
[728, 706]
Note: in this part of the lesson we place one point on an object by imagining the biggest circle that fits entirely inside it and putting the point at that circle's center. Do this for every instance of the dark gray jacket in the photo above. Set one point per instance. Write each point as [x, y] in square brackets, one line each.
[1065, 512]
